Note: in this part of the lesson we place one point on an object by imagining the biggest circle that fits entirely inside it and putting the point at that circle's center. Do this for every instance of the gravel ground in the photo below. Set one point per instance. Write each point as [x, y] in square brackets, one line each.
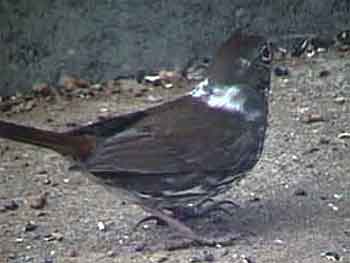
[295, 204]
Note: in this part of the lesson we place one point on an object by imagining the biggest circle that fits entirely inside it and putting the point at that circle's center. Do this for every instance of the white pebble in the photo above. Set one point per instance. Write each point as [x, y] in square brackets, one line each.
[101, 226]
[334, 207]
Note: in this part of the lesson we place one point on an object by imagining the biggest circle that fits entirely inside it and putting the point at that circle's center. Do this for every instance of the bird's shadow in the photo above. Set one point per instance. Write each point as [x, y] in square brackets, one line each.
[282, 216]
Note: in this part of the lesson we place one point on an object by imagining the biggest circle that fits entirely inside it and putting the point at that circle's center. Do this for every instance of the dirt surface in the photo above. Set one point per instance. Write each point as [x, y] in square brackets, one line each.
[295, 204]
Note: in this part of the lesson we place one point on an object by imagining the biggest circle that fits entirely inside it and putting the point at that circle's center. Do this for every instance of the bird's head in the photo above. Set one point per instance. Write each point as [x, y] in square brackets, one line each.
[244, 59]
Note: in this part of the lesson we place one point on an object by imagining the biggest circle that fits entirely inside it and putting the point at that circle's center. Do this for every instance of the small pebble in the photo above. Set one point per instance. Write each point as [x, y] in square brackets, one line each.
[300, 192]
[47, 181]
[54, 236]
[140, 247]
[101, 226]
[30, 226]
[279, 241]
[10, 205]
[333, 206]
[281, 71]
[208, 257]
[41, 214]
[72, 253]
[338, 196]
[155, 80]
[154, 99]
[103, 110]
[311, 150]
[344, 135]
[168, 85]
[38, 202]
[309, 165]
[159, 257]
[311, 118]
[323, 197]
[225, 252]
[331, 256]
[97, 86]
[48, 260]
[339, 100]
[324, 140]
[111, 253]
[195, 259]
[138, 93]
[19, 240]
[57, 236]
[324, 73]
[162, 259]
[295, 158]
[28, 258]
[255, 199]
[11, 256]
[245, 259]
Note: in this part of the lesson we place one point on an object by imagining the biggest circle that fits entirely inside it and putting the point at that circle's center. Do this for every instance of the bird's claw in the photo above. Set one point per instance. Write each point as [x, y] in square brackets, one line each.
[205, 207]
[149, 218]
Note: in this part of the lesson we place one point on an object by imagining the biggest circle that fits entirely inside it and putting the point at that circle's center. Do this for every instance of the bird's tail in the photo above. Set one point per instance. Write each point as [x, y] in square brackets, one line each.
[77, 146]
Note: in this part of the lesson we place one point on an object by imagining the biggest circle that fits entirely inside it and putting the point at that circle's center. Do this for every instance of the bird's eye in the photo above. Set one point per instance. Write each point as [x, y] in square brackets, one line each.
[266, 54]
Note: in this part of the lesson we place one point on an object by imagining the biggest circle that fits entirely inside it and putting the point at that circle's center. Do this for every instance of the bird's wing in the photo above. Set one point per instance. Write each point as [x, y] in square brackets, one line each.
[179, 137]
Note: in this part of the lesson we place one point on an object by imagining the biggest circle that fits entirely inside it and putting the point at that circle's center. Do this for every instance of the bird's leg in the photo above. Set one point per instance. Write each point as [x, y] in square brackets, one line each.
[184, 230]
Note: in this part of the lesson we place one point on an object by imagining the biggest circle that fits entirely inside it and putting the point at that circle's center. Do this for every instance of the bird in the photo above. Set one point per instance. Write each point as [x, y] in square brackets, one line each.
[185, 151]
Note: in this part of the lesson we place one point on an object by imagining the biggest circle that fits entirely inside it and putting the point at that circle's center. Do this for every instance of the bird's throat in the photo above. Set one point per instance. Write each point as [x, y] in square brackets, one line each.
[239, 99]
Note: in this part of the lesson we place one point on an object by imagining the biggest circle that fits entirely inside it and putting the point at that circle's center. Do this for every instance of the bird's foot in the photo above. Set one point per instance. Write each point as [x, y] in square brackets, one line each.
[158, 220]
[204, 208]
[193, 239]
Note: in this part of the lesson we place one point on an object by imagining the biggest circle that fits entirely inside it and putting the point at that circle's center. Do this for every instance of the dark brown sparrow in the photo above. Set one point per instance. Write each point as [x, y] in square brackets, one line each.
[182, 152]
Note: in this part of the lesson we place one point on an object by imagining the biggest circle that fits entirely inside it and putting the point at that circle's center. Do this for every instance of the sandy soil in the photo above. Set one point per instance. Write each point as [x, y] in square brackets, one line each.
[295, 204]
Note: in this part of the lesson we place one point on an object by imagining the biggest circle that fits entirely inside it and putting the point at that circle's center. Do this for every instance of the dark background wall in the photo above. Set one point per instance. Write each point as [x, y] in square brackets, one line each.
[42, 39]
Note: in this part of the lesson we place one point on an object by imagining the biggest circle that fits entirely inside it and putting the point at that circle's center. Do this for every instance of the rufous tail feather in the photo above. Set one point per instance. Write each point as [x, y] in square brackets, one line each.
[77, 146]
